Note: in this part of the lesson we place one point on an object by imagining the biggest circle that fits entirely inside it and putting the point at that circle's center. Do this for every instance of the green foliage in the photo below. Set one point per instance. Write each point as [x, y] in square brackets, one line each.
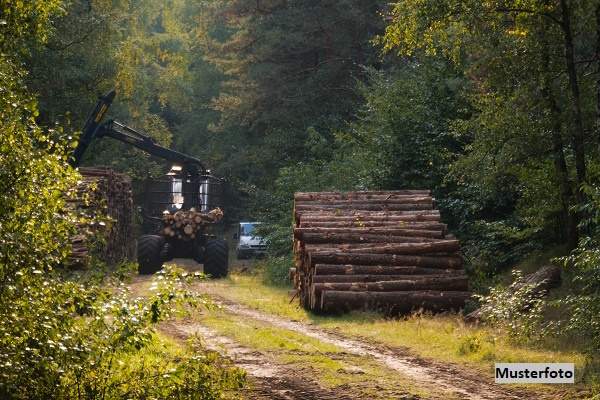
[517, 308]
[583, 268]
[34, 176]
[66, 339]
[277, 270]
[469, 344]
[523, 116]
[62, 337]
[25, 23]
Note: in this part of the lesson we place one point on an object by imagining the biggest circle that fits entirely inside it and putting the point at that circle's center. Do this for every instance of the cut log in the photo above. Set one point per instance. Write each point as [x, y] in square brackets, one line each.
[408, 283]
[366, 194]
[376, 278]
[105, 194]
[393, 302]
[333, 257]
[363, 213]
[362, 238]
[365, 206]
[349, 269]
[355, 201]
[388, 224]
[448, 246]
[371, 244]
[332, 232]
[312, 218]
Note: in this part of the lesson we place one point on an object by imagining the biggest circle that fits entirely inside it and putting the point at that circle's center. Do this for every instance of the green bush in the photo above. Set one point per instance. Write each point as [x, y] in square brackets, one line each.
[62, 338]
[277, 270]
[517, 308]
[583, 268]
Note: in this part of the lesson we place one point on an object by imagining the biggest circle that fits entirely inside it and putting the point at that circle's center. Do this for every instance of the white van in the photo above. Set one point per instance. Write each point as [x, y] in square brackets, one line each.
[249, 245]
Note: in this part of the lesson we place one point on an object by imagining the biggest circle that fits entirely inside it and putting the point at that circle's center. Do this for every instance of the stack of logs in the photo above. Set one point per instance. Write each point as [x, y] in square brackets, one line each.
[185, 225]
[377, 250]
[103, 202]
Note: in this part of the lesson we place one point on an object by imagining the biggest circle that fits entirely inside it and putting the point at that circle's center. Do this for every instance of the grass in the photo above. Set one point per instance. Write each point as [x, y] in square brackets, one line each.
[167, 368]
[330, 365]
[443, 337]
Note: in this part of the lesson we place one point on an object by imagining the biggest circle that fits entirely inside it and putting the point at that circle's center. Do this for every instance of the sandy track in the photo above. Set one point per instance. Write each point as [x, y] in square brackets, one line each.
[269, 380]
[443, 377]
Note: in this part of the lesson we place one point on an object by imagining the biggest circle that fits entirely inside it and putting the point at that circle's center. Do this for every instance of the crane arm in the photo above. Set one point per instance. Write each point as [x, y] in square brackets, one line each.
[95, 128]
[126, 134]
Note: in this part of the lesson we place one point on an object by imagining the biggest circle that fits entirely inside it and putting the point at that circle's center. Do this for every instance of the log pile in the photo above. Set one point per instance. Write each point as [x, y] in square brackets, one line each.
[377, 250]
[185, 224]
[103, 201]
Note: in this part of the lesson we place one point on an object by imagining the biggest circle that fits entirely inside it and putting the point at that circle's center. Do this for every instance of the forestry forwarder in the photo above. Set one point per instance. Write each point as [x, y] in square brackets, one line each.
[186, 188]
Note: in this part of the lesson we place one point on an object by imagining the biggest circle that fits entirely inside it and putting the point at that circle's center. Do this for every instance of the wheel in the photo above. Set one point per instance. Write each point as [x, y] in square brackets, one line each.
[216, 263]
[149, 250]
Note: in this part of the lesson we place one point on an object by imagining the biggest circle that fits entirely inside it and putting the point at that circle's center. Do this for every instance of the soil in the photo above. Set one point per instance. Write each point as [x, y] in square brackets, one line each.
[272, 380]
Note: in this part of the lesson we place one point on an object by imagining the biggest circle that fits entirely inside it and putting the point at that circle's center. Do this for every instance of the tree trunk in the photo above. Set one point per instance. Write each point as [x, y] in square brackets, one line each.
[598, 73]
[392, 302]
[365, 206]
[444, 246]
[362, 238]
[578, 134]
[354, 195]
[407, 283]
[349, 269]
[425, 216]
[371, 278]
[560, 165]
[395, 200]
[333, 232]
[333, 257]
[433, 225]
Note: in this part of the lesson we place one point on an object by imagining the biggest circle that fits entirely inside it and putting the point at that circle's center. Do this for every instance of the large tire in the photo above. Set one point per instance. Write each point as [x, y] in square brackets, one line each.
[149, 253]
[216, 258]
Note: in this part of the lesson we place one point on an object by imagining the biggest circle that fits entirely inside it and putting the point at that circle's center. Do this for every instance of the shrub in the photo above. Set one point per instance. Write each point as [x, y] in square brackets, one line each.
[516, 308]
[277, 270]
[583, 267]
[63, 339]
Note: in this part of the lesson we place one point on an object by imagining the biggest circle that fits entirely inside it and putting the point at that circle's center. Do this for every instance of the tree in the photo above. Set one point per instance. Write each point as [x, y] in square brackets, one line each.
[515, 54]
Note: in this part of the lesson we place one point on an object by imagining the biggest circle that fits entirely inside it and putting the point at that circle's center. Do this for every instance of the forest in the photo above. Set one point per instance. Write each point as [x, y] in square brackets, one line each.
[492, 105]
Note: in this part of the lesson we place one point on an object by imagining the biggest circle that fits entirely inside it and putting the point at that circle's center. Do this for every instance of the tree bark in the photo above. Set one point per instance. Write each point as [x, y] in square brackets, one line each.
[425, 216]
[395, 200]
[393, 302]
[370, 278]
[333, 232]
[578, 132]
[427, 225]
[407, 283]
[439, 246]
[598, 73]
[333, 257]
[560, 164]
[359, 194]
[364, 206]
[349, 269]
[362, 238]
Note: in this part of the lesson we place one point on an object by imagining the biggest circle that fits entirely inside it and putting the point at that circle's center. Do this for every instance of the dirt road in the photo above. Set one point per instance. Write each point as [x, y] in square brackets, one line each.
[349, 368]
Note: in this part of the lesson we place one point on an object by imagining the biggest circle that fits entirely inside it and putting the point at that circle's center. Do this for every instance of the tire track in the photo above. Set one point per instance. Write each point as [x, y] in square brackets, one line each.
[428, 373]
